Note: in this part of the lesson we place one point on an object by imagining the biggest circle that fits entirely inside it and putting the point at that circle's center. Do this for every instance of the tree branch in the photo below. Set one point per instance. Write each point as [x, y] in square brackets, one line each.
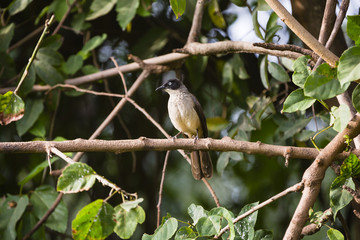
[150, 144]
[314, 175]
[196, 23]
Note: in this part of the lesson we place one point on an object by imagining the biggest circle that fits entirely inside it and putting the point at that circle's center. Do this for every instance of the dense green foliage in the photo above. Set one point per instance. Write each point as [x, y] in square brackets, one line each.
[245, 96]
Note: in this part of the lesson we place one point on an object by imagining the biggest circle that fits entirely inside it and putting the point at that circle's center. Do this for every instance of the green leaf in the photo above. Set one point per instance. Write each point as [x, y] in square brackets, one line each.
[10, 212]
[256, 24]
[270, 33]
[240, 3]
[209, 226]
[297, 101]
[353, 28]
[185, 233]
[47, 73]
[11, 108]
[91, 45]
[350, 167]
[128, 205]
[349, 66]
[127, 219]
[164, 232]
[18, 6]
[49, 56]
[196, 212]
[238, 67]
[263, 6]
[42, 200]
[215, 14]
[264, 72]
[6, 34]
[216, 123]
[323, 84]
[76, 177]
[278, 72]
[126, 11]
[33, 109]
[224, 213]
[222, 162]
[35, 171]
[339, 197]
[356, 98]
[263, 235]
[301, 71]
[73, 64]
[28, 83]
[54, 42]
[100, 8]
[245, 227]
[178, 7]
[342, 116]
[94, 221]
[334, 234]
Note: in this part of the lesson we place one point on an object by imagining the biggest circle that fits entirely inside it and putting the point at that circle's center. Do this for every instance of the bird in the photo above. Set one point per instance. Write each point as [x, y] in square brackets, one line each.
[187, 116]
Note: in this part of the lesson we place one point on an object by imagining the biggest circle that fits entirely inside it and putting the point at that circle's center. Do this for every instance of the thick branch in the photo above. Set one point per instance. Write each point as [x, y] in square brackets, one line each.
[314, 175]
[149, 144]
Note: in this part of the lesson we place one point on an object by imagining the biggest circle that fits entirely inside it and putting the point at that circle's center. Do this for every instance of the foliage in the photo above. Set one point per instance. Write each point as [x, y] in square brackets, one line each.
[242, 95]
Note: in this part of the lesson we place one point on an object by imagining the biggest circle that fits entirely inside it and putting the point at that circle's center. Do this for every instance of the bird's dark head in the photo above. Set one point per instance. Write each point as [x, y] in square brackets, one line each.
[172, 84]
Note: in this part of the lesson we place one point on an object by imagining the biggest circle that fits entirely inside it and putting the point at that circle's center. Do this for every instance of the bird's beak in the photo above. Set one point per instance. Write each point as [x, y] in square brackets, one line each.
[159, 88]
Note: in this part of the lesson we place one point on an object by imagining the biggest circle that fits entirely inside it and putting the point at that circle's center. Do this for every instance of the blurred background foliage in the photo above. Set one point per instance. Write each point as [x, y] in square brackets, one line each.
[242, 95]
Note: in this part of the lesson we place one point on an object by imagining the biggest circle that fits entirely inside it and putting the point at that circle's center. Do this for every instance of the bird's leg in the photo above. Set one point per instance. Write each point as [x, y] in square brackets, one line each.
[175, 137]
[197, 136]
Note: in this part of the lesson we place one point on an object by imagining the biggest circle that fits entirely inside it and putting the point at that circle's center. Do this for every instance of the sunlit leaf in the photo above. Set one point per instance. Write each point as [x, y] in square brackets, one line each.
[297, 101]
[11, 108]
[76, 177]
[185, 233]
[164, 232]
[334, 234]
[99, 8]
[208, 226]
[301, 71]
[340, 117]
[216, 123]
[349, 66]
[353, 28]
[178, 7]
[127, 220]
[196, 212]
[224, 213]
[323, 84]
[94, 221]
[215, 14]
[245, 227]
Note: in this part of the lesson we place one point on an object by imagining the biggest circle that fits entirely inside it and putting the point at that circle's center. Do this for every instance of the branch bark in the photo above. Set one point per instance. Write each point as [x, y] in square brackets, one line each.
[150, 144]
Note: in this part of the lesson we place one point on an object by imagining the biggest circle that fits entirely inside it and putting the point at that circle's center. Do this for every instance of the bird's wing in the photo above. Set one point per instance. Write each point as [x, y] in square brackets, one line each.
[202, 118]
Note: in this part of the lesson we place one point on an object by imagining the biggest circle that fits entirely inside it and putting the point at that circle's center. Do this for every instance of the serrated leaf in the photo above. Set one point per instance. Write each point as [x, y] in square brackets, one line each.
[323, 84]
[164, 232]
[196, 212]
[209, 226]
[278, 72]
[349, 66]
[334, 234]
[342, 116]
[215, 14]
[127, 220]
[42, 200]
[356, 98]
[178, 7]
[94, 221]
[11, 108]
[340, 197]
[18, 6]
[100, 8]
[33, 109]
[76, 177]
[353, 28]
[126, 11]
[301, 71]
[6, 34]
[297, 101]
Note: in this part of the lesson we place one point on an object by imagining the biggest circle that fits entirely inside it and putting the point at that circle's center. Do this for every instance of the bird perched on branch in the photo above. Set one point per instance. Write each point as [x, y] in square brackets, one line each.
[187, 116]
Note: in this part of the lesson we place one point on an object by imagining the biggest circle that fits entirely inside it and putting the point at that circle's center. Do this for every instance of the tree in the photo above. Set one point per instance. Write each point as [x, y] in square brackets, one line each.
[92, 71]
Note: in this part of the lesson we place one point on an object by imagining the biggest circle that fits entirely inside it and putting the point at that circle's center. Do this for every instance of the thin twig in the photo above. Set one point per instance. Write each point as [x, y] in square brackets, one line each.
[63, 18]
[327, 21]
[25, 39]
[196, 23]
[48, 22]
[158, 206]
[295, 188]
[120, 73]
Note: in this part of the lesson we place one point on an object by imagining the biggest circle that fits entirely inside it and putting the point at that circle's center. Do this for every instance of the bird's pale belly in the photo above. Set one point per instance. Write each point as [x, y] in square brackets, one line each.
[184, 117]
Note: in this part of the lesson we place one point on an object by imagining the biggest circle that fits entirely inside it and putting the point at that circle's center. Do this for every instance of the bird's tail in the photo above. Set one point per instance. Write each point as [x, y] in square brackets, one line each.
[201, 165]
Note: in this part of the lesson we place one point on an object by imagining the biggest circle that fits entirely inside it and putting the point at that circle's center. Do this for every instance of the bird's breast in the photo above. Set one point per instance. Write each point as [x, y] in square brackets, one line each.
[183, 115]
